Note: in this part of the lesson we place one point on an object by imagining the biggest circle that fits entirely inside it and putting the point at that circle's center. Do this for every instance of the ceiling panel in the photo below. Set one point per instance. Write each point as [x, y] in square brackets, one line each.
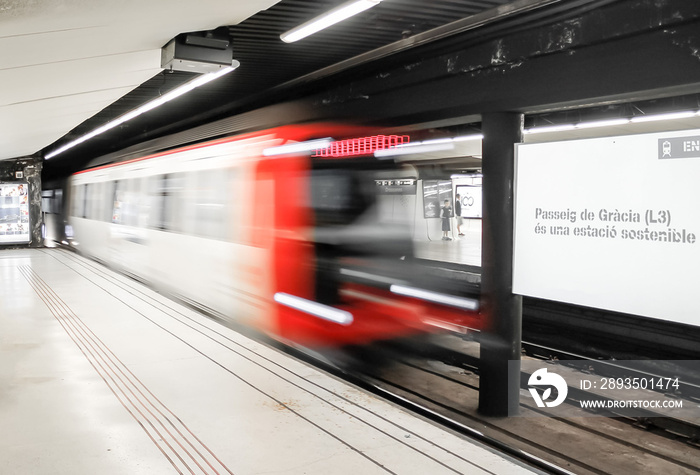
[30, 83]
[72, 48]
[267, 62]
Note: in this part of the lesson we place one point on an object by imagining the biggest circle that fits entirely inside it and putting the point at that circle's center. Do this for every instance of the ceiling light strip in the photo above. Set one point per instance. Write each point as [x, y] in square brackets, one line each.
[175, 93]
[331, 17]
[671, 116]
[414, 149]
[612, 122]
[426, 146]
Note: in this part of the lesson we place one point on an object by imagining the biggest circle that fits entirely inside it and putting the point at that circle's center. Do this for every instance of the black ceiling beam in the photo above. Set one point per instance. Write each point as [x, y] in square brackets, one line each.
[626, 51]
[588, 54]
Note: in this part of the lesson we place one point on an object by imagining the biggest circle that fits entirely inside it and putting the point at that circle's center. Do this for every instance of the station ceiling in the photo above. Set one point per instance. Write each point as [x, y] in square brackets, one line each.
[63, 61]
[69, 66]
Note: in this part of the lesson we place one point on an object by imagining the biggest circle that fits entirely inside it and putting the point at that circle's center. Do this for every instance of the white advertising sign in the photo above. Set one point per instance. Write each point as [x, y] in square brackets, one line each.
[611, 223]
[470, 197]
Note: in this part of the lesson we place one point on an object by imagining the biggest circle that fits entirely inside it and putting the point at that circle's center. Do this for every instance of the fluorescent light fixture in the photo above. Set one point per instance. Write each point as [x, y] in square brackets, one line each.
[175, 93]
[426, 146]
[462, 138]
[602, 123]
[331, 17]
[672, 116]
[427, 142]
[413, 149]
[451, 300]
[314, 308]
[298, 147]
[550, 128]
[467, 138]
[612, 122]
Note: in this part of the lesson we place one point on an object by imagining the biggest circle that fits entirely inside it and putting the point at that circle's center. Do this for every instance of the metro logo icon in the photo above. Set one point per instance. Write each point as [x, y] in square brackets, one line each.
[666, 148]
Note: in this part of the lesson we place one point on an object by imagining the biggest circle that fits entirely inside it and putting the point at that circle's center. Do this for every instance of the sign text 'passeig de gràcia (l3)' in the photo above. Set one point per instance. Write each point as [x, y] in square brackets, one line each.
[657, 222]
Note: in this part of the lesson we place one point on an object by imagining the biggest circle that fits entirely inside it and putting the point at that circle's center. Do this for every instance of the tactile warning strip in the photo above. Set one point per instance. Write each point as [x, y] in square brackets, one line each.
[178, 444]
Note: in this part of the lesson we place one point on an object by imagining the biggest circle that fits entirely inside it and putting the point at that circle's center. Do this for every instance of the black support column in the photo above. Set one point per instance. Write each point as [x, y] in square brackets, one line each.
[502, 311]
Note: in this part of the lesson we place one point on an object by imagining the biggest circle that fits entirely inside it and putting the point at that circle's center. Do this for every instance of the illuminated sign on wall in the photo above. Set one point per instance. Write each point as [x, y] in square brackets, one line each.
[14, 213]
[361, 146]
[471, 199]
[434, 195]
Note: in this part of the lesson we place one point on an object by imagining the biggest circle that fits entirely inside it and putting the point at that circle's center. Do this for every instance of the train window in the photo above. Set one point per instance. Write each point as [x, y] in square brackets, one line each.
[117, 202]
[79, 201]
[101, 202]
[131, 202]
[156, 197]
[337, 196]
[207, 210]
[98, 201]
[107, 204]
[71, 200]
[143, 203]
[92, 198]
[127, 203]
[89, 199]
[231, 194]
[173, 200]
[235, 205]
[186, 203]
[85, 200]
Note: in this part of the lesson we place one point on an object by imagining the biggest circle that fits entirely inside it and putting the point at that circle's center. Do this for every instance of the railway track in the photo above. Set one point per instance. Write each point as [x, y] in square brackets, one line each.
[442, 383]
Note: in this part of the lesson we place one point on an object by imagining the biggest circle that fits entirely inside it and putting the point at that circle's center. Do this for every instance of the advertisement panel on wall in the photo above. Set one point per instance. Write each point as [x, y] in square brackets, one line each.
[435, 192]
[611, 223]
[14, 213]
[470, 197]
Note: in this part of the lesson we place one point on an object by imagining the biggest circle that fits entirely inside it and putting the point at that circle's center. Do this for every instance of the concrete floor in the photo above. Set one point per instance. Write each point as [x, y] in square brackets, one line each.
[460, 250]
[100, 375]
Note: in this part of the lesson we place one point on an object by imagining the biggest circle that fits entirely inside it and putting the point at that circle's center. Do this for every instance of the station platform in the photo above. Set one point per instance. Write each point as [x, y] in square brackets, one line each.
[462, 250]
[100, 374]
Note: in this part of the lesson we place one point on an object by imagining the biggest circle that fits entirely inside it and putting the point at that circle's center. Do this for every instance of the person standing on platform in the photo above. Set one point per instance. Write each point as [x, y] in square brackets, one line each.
[446, 211]
[458, 214]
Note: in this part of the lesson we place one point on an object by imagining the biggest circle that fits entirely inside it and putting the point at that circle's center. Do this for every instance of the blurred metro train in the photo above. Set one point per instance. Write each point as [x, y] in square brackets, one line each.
[254, 229]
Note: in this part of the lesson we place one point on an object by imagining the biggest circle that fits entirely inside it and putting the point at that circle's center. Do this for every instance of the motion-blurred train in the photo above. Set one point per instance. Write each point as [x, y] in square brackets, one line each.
[280, 229]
